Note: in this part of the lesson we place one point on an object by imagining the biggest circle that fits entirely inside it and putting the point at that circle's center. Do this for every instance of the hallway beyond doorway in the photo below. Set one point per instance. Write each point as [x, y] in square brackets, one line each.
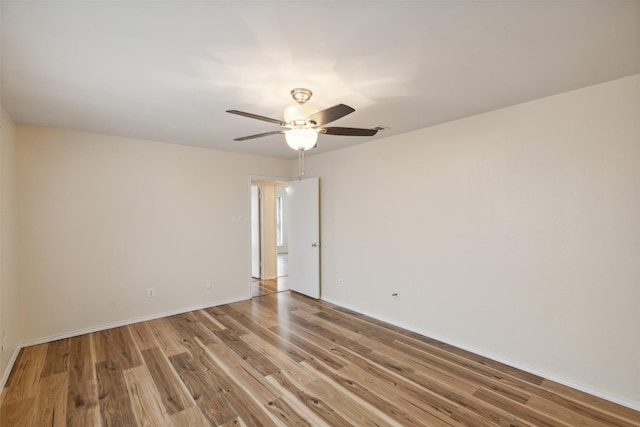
[266, 287]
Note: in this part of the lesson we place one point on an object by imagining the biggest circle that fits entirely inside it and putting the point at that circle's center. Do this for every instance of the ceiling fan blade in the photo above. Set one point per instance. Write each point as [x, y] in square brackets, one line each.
[330, 114]
[257, 117]
[260, 135]
[348, 131]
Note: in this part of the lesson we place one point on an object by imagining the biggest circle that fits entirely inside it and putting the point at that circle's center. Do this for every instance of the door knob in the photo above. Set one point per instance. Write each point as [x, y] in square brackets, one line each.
[315, 245]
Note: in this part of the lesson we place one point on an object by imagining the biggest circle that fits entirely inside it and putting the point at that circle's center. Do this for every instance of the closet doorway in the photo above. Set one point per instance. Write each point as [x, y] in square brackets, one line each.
[269, 237]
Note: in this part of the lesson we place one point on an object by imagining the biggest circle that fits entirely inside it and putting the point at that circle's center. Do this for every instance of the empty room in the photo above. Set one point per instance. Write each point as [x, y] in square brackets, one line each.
[321, 213]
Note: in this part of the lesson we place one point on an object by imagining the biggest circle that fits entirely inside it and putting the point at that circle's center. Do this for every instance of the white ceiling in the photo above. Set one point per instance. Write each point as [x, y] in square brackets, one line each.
[167, 71]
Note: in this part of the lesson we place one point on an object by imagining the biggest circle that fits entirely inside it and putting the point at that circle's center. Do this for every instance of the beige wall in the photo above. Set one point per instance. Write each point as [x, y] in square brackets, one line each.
[281, 191]
[515, 233]
[104, 218]
[268, 238]
[9, 295]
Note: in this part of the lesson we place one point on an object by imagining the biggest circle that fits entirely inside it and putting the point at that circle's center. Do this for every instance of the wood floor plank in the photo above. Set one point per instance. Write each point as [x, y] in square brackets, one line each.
[286, 413]
[172, 392]
[243, 373]
[298, 406]
[82, 398]
[142, 336]
[145, 398]
[314, 403]
[81, 359]
[222, 318]
[187, 326]
[208, 321]
[208, 397]
[18, 413]
[190, 417]
[168, 340]
[83, 405]
[117, 345]
[213, 372]
[51, 404]
[350, 410]
[282, 359]
[57, 358]
[257, 360]
[249, 411]
[115, 404]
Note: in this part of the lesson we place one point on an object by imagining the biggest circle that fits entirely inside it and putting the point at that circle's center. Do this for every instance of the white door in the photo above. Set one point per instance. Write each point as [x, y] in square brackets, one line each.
[304, 236]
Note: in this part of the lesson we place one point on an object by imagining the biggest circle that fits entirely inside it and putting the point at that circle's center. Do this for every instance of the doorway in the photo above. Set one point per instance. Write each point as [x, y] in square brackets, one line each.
[269, 237]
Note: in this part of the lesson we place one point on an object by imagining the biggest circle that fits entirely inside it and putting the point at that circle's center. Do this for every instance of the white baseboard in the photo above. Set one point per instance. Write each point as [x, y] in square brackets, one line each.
[7, 371]
[126, 322]
[547, 375]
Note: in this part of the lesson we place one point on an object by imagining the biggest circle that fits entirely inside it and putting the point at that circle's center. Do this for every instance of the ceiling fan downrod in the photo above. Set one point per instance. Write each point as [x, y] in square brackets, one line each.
[300, 163]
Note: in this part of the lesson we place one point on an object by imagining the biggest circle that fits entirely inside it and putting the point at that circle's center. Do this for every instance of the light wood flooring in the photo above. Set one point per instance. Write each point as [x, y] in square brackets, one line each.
[271, 286]
[261, 287]
[281, 359]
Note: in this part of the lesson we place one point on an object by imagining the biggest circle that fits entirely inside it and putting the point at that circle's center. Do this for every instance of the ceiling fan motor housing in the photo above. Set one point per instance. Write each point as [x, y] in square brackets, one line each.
[296, 115]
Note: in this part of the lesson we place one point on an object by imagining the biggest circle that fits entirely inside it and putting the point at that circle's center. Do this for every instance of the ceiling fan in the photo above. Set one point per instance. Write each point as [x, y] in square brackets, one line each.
[302, 122]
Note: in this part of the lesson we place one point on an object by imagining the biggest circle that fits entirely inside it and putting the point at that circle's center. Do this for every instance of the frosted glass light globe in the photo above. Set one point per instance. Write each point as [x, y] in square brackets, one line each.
[301, 138]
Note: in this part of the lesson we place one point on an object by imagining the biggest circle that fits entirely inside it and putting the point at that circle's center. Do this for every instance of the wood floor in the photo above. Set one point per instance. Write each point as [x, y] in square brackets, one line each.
[281, 359]
[270, 286]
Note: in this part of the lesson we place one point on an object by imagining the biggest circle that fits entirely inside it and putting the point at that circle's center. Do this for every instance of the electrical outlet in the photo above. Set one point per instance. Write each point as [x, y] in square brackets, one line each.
[151, 292]
[208, 284]
[340, 282]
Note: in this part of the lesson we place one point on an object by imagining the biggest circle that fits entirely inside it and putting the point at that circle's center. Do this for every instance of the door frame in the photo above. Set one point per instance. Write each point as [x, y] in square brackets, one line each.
[250, 180]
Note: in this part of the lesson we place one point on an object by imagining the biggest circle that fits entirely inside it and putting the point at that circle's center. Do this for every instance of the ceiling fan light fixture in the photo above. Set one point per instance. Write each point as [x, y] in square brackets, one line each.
[301, 139]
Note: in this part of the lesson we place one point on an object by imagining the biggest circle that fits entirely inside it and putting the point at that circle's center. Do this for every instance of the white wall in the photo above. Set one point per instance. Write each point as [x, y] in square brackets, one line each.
[103, 218]
[9, 295]
[515, 233]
